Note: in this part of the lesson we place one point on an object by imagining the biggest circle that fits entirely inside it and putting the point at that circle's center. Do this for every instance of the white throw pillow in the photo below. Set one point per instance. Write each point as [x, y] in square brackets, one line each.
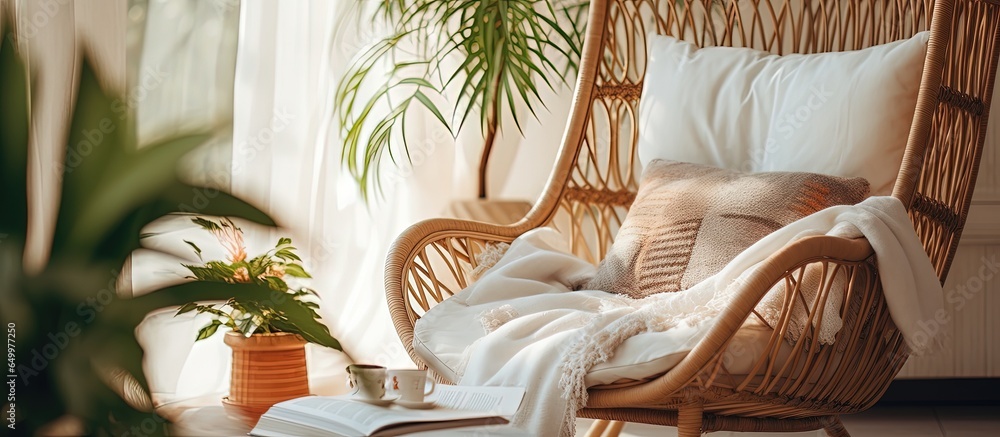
[841, 113]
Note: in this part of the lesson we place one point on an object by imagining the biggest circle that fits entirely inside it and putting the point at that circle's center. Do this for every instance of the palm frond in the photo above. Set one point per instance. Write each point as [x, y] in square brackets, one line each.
[494, 55]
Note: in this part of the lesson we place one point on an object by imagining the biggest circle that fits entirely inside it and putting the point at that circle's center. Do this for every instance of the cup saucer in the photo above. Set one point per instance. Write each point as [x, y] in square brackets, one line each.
[384, 402]
[413, 405]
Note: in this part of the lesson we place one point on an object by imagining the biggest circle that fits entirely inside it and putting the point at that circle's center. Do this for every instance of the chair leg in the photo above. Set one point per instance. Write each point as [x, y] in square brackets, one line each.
[597, 428]
[834, 427]
[614, 429]
[689, 417]
[605, 428]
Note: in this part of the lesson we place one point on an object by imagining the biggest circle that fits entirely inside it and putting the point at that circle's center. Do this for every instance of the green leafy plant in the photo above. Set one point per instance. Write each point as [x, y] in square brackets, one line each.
[249, 316]
[495, 53]
[76, 359]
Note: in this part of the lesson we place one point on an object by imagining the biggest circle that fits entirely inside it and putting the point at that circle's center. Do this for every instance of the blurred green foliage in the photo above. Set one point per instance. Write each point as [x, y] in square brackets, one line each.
[70, 329]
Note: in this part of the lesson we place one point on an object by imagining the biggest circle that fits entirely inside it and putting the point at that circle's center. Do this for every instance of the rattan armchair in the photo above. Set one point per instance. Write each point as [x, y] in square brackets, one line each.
[595, 180]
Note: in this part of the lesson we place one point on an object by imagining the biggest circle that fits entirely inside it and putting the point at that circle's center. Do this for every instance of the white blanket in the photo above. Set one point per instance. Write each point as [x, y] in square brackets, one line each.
[541, 335]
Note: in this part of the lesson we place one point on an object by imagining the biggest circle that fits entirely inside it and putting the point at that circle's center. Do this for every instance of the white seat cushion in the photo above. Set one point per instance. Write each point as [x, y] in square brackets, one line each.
[639, 357]
[843, 113]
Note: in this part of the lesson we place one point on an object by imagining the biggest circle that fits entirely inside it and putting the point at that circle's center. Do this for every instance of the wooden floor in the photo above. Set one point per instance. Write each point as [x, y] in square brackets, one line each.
[880, 421]
[205, 417]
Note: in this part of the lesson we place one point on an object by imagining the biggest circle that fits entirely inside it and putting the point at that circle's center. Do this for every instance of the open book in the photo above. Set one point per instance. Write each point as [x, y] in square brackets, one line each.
[455, 406]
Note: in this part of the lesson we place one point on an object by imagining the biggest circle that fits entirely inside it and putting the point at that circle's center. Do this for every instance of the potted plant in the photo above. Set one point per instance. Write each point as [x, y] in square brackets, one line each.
[269, 359]
[495, 54]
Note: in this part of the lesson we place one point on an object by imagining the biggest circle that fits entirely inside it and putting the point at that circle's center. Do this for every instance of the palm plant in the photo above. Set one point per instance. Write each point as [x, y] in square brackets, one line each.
[494, 53]
[70, 337]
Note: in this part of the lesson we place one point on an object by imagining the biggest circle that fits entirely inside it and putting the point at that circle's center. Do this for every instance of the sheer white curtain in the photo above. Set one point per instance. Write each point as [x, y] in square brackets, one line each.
[286, 158]
[53, 36]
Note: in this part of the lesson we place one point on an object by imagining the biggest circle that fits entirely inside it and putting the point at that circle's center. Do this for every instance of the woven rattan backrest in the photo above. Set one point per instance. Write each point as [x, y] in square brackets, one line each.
[597, 173]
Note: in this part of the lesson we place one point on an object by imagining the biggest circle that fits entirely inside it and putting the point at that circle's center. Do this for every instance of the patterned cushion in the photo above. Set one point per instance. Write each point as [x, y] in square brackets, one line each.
[689, 220]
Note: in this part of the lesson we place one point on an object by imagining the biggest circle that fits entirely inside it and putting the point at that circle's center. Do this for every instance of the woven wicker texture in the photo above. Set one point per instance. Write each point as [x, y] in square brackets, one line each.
[594, 181]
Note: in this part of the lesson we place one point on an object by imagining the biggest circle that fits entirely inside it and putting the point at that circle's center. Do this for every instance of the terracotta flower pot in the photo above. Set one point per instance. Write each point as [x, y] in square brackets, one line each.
[267, 369]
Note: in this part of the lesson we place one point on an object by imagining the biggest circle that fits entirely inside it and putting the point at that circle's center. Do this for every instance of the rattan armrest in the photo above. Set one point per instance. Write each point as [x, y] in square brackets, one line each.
[430, 261]
[703, 365]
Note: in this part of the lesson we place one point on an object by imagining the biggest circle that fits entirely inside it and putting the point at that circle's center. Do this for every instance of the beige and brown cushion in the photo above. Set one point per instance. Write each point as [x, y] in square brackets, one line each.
[689, 220]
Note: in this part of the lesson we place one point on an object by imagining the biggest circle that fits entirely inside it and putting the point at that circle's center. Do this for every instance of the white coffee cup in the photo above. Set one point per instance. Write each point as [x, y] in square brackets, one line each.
[367, 381]
[410, 385]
